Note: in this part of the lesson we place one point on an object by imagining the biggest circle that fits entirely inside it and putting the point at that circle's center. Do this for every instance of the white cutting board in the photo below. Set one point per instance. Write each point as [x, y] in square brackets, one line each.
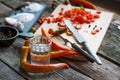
[93, 40]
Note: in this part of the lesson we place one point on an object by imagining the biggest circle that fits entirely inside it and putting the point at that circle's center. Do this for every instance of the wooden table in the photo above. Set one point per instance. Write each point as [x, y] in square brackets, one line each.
[109, 52]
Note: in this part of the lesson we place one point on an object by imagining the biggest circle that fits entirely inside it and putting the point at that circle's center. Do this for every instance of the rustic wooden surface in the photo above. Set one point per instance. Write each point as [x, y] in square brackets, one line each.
[109, 52]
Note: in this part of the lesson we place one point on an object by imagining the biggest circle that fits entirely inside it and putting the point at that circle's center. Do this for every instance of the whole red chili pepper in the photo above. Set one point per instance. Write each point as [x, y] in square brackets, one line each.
[54, 44]
[84, 3]
[62, 53]
[38, 68]
[55, 54]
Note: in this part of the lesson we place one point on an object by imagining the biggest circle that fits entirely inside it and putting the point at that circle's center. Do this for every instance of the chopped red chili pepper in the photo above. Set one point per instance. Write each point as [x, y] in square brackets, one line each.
[51, 15]
[93, 32]
[97, 30]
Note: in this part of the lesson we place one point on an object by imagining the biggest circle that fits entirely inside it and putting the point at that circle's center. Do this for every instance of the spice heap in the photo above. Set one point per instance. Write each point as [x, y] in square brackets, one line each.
[5, 35]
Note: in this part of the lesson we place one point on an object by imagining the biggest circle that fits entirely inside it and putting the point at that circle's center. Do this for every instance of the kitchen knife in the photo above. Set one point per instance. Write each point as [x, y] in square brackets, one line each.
[78, 49]
[81, 40]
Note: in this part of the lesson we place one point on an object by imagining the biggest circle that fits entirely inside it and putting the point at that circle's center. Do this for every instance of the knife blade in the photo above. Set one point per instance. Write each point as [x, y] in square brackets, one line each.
[80, 39]
[78, 49]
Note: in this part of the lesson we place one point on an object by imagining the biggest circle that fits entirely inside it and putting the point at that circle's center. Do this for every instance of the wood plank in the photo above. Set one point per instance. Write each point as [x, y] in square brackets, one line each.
[74, 75]
[4, 8]
[7, 73]
[106, 71]
[110, 47]
[12, 4]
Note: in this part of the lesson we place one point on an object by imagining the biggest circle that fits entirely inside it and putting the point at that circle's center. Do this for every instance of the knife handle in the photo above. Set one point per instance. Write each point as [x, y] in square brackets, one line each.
[81, 51]
[89, 49]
